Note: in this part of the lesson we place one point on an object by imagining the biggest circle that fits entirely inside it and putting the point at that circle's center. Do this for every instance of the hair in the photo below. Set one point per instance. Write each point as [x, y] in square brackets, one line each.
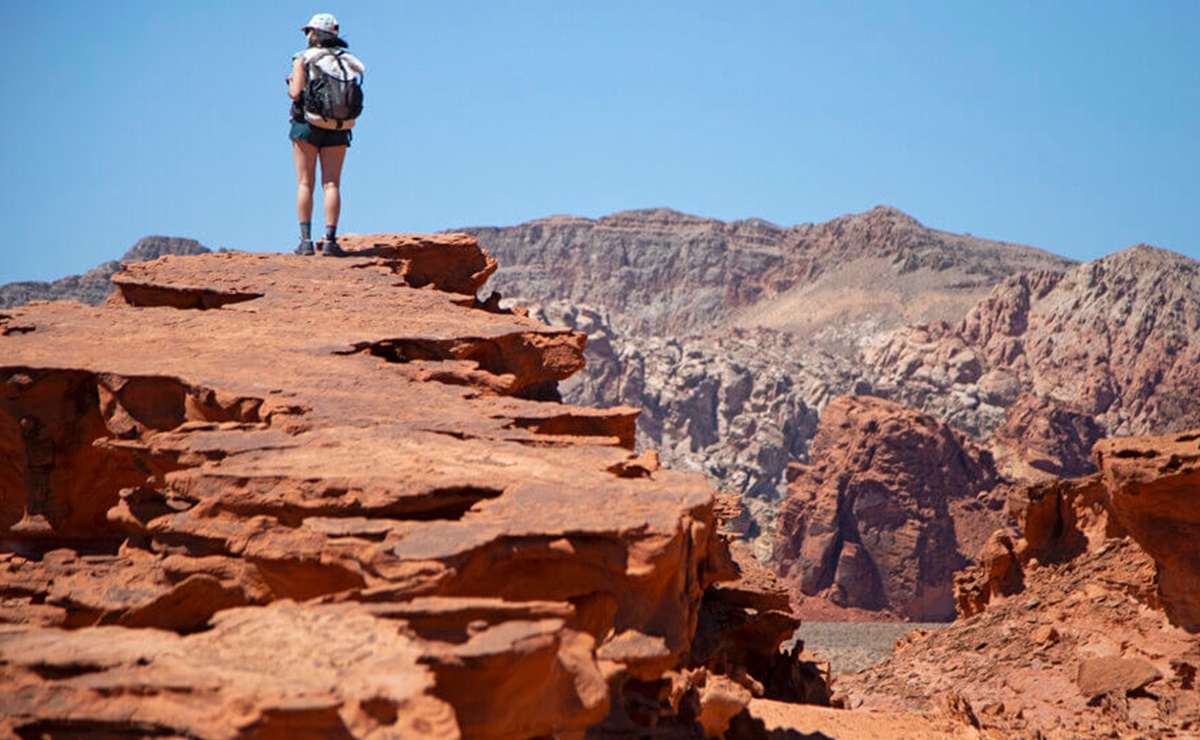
[324, 39]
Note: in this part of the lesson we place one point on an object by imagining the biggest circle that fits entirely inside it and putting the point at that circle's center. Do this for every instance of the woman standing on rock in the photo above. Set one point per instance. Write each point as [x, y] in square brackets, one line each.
[323, 87]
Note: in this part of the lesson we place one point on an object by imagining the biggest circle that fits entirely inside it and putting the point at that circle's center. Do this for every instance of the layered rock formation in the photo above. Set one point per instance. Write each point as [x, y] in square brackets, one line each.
[739, 408]
[665, 274]
[892, 505]
[733, 336]
[1154, 494]
[1086, 625]
[1049, 363]
[1148, 489]
[688, 304]
[274, 496]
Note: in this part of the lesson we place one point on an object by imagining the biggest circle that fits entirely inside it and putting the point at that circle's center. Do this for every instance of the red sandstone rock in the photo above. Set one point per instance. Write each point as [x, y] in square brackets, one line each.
[721, 699]
[271, 459]
[1042, 439]
[774, 719]
[869, 523]
[998, 573]
[449, 262]
[1154, 492]
[275, 671]
[1147, 489]
[1070, 630]
[1020, 662]
[1061, 519]
[1099, 676]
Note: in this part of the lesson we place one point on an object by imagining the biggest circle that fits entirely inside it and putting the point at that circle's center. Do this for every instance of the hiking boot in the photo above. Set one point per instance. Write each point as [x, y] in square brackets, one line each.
[306, 248]
[330, 248]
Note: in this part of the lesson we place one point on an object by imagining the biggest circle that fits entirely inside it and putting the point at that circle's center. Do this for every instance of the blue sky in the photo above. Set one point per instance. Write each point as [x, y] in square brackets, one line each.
[1068, 125]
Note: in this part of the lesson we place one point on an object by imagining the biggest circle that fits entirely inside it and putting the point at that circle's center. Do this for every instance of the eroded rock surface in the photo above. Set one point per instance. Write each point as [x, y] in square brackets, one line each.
[733, 336]
[1154, 494]
[250, 467]
[1082, 627]
[1049, 363]
[1081, 650]
[892, 505]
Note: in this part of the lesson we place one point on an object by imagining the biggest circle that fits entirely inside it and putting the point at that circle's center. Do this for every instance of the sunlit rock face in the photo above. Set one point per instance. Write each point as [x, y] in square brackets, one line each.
[273, 495]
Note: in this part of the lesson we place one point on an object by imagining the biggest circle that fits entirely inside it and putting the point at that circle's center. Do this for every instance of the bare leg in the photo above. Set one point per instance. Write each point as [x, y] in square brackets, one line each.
[305, 155]
[332, 158]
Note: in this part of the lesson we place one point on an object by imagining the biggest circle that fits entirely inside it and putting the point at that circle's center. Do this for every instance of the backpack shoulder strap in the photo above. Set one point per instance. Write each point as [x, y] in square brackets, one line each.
[337, 57]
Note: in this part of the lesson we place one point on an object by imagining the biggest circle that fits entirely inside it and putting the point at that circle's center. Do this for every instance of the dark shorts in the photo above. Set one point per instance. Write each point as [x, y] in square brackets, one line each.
[317, 136]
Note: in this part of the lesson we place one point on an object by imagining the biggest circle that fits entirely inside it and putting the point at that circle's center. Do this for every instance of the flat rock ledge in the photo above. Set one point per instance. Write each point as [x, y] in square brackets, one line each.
[272, 495]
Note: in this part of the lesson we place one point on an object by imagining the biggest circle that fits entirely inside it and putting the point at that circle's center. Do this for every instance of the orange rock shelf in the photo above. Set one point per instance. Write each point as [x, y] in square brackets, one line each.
[314, 468]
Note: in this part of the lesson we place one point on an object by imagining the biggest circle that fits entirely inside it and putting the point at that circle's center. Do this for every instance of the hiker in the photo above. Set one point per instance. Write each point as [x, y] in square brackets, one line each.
[321, 123]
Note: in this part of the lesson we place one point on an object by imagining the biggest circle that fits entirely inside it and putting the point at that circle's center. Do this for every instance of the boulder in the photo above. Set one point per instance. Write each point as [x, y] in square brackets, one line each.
[874, 521]
[1154, 490]
[1099, 676]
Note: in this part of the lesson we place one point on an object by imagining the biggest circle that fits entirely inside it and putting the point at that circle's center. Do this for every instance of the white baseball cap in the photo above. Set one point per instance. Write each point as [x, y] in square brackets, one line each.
[322, 22]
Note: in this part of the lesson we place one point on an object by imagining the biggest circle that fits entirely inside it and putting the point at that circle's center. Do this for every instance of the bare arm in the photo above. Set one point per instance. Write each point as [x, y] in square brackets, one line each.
[297, 79]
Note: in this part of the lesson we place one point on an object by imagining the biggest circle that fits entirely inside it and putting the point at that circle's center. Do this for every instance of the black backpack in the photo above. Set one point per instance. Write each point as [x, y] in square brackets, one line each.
[333, 97]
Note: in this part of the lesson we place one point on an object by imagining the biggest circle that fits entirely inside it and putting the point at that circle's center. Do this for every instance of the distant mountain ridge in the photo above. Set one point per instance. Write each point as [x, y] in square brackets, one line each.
[93, 286]
[663, 272]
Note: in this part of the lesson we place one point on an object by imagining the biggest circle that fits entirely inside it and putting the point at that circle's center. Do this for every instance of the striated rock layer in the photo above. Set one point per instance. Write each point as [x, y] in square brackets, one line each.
[732, 337]
[1085, 626]
[1154, 494]
[275, 496]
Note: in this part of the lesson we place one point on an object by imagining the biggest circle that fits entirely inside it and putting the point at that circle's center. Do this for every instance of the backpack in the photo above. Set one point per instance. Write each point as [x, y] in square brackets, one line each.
[333, 97]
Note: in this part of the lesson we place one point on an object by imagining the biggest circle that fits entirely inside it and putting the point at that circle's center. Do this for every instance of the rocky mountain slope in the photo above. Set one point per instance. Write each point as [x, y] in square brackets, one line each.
[94, 286]
[1087, 624]
[683, 305]
[735, 337]
[1049, 363]
[234, 503]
